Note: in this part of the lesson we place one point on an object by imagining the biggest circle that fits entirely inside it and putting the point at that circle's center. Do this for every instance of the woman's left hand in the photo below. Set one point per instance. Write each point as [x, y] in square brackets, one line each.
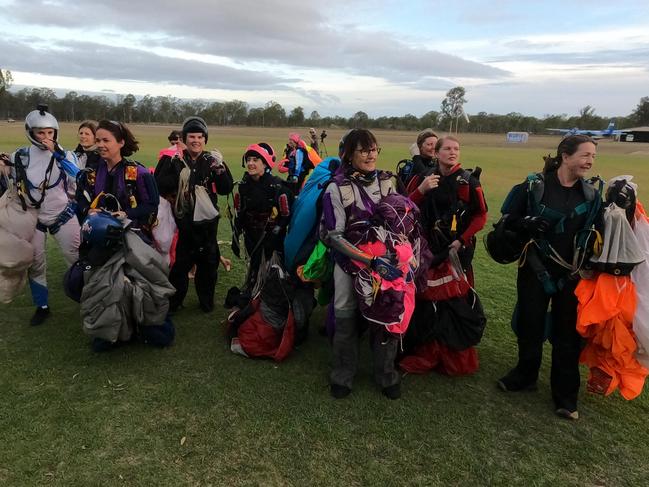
[455, 244]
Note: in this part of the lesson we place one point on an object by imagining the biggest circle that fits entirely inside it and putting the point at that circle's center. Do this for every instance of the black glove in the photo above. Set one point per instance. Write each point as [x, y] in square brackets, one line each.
[384, 268]
[536, 226]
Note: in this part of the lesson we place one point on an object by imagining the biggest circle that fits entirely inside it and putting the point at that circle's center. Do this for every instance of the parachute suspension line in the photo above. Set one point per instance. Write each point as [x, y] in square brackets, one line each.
[523, 258]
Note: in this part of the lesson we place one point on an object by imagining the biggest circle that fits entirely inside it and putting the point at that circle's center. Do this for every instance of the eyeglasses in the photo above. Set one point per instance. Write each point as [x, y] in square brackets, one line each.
[366, 152]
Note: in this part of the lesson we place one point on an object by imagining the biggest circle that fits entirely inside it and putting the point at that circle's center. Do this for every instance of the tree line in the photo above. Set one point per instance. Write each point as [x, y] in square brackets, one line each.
[75, 107]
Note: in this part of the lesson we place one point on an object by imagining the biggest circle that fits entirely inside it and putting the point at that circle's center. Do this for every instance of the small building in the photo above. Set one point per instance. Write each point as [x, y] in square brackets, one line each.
[636, 134]
[517, 137]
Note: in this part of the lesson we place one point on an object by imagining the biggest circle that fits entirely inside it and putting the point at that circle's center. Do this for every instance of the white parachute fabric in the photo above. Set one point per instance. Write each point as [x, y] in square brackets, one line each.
[640, 277]
[620, 243]
[164, 231]
[17, 227]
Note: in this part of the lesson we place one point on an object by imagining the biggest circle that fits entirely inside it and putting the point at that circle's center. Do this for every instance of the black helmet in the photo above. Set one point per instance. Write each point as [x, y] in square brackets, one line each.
[194, 125]
[504, 246]
[622, 192]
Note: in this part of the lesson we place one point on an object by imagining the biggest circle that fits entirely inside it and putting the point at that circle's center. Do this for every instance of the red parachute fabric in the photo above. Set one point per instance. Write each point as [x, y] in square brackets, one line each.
[443, 283]
[259, 339]
[605, 312]
[437, 356]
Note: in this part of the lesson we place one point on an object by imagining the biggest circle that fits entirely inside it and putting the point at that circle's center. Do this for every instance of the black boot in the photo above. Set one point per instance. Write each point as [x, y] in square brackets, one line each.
[40, 315]
[514, 381]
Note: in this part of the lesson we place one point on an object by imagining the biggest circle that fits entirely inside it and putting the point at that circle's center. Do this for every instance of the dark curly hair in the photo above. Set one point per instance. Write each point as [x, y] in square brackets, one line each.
[568, 145]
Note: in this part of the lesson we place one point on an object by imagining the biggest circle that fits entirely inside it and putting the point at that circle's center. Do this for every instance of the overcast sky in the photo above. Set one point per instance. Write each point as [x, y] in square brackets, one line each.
[339, 56]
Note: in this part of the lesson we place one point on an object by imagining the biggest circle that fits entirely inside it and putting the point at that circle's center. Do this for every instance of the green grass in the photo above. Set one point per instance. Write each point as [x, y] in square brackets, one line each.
[71, 417]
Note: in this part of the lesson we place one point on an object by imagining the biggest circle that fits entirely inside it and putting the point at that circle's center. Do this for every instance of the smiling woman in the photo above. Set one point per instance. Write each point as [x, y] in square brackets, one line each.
[448, 320]
[134, 191]
[556, 212]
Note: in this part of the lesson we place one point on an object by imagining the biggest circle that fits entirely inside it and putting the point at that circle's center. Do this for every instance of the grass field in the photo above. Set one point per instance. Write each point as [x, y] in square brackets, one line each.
[195, 414]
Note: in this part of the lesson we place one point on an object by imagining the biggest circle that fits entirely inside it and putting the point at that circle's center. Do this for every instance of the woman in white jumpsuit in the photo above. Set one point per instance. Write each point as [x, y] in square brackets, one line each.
[45, 177]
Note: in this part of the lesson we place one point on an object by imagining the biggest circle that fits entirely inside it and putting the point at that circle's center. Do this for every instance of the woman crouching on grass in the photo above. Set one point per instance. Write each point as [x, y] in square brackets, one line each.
[556, 211]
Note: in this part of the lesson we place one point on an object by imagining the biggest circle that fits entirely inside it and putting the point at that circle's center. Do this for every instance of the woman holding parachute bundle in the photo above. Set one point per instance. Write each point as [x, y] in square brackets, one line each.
[557, 212]
[448, 320]
[44, 177]
[373, 271]
[262, 324]
[117, 184]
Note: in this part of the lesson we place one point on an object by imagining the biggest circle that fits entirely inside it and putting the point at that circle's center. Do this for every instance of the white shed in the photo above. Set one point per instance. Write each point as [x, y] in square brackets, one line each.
[517, 137]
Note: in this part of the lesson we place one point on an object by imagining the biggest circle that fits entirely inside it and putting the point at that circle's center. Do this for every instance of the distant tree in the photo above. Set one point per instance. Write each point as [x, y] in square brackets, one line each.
[125, 107]
[296, 117]
[6, 80]
[408, 122]
[145, 110]
[453, 105]
[314, 118]
[640, 115]
[68, 105]
[359, 120]
[587, 118]
[236, 112]
[274, 114]
[256, 117]
[213, 113]
[428, 119]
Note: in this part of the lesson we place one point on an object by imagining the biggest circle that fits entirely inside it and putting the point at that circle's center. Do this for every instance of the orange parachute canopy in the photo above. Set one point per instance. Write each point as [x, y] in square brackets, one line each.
[605, 318]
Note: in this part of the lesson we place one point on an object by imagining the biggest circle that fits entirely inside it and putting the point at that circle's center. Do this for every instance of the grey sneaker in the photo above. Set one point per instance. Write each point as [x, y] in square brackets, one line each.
[566, 414]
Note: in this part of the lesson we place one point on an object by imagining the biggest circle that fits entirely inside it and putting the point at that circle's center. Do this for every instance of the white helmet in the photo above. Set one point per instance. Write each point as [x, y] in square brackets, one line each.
[40, 119]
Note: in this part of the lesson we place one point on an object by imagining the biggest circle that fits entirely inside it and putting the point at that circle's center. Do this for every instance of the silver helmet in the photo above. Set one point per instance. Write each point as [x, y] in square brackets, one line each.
[40, 119]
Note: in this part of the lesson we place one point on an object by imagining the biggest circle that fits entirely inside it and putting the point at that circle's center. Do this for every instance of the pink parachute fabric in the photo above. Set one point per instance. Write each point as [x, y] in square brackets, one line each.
[395, 232]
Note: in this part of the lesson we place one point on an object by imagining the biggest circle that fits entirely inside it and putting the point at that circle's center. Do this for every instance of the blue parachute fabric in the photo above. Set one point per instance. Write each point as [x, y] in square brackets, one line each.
[306, 211]
[69, 167]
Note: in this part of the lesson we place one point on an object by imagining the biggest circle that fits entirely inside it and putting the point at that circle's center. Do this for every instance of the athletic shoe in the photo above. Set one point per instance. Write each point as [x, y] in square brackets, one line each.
[393, 391]
[566, 414]
[339, 392]
[40, 315]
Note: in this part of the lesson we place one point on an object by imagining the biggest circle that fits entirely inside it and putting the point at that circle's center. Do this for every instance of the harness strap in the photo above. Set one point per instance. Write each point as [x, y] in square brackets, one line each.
[24, 184]
[65, 216]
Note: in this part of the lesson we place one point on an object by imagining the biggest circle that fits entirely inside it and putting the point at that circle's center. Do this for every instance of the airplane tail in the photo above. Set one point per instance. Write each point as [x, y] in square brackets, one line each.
[611, 127]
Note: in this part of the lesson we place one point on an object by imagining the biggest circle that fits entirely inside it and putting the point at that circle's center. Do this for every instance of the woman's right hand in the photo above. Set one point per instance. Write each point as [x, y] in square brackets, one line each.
[429, 182]
[5, 169]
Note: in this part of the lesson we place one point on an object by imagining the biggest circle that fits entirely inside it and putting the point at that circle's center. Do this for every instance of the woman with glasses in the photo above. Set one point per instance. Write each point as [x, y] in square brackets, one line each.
[347, 205]
[119, 185]
[86, 151]
[453, 210]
